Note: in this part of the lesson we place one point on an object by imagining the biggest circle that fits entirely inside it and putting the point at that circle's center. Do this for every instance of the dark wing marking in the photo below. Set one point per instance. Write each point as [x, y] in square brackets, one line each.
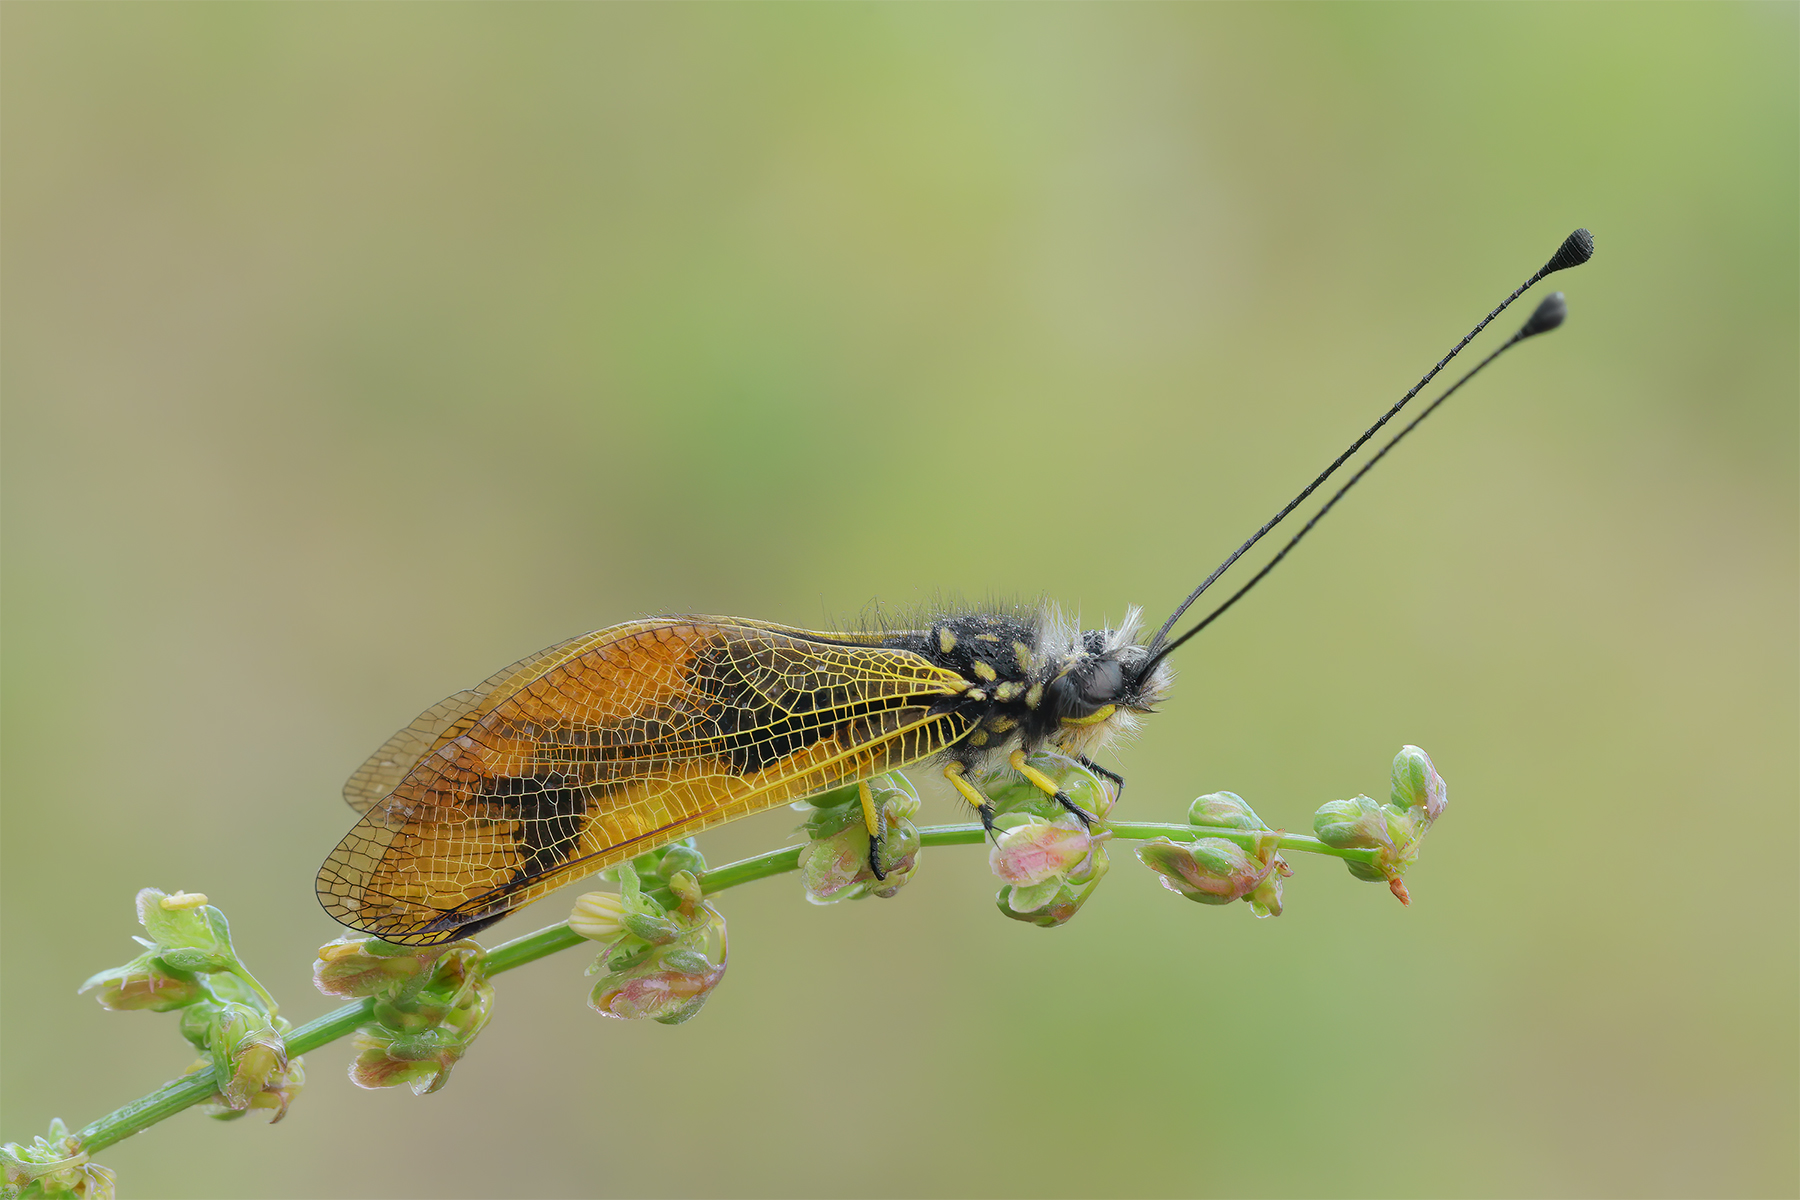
[639, 735]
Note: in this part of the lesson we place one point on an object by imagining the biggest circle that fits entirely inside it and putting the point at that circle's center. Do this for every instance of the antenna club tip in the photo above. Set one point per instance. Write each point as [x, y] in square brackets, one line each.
[1576, 249]
[1550, 313]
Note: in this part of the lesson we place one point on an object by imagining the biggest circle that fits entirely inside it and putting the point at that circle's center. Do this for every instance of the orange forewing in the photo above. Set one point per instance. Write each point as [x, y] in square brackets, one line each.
[608, 745]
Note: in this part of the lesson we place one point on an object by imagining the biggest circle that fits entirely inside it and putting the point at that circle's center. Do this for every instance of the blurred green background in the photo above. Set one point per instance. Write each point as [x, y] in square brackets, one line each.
[352, 352]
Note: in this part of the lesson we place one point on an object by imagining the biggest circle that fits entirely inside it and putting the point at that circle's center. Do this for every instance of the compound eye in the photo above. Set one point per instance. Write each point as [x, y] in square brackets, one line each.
[1102, 684]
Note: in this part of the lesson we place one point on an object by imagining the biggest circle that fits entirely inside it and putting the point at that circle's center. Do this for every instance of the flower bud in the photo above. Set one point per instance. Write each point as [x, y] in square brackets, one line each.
[1358, 822]
[670, 993]
[1361, 822]
[421, 1055]
[658, 864]
[144, 983]
[197, 1022]
[1210, 870]
[1039, 850]
[1056, 900]
[1224, 810]
[358, 967]
[277, 1092]
[376, 1066]
[1416, 783]
[1217, 871]
[898, 853]
[650, 927]
[834, 863]
[895, 797]
[54, 1166]
[668, 983]
[247, 1050]
[1050, 862]
[657, 964]
[598, 916]
[1265, 897]
[682, 856]
[1047, 906]
[687, 890]
[425, 1016]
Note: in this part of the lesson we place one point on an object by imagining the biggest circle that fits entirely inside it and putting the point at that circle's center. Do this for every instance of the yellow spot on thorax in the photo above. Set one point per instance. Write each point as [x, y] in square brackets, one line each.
[1022, 652]
[1008, 691]
[946, 641]
[985, 672]
[1033, 695]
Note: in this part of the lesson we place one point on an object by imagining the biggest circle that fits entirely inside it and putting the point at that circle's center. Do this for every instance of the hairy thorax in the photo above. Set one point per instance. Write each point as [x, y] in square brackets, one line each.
[1036, 682]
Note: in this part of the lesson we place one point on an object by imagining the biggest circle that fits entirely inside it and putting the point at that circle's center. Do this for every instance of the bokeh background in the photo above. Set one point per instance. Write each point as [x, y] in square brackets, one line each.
[353, 351]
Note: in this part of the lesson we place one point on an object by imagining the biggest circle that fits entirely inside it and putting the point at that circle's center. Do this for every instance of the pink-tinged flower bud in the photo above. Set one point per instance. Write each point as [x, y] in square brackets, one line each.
[598, 916]
[376, 1067]
[1389, 829]
[1039, 850]
[1216, 871]
[834, 863]
[421, 1055]
[1225, 810]
[367, 967]
[144, 983]
[188, 938]
[1416, 783]
[425, 1019]
[665, 993]
[1362, 822]
[897, 805]
[667, 979]
[1055, 899]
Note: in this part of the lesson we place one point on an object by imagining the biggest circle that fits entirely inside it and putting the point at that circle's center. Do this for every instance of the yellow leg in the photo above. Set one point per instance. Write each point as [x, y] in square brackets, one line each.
[1048, 786]
[871, 818]
[1037, 778]
[954, 773]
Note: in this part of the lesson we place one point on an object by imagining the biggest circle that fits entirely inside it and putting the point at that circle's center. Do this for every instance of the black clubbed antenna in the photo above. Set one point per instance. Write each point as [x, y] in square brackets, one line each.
[1548, 316]
[1576, 249]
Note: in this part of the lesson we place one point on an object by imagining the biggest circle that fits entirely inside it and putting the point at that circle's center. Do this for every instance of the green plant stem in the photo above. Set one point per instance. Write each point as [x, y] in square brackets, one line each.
[197, 1088]
[1246, 838]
